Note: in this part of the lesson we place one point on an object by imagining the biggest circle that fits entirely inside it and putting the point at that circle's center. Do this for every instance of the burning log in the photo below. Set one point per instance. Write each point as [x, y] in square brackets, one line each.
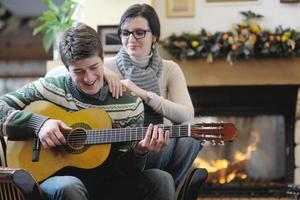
[226, 175]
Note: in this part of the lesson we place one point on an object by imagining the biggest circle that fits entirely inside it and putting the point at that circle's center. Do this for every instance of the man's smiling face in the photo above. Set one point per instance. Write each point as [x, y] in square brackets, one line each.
[87, 74]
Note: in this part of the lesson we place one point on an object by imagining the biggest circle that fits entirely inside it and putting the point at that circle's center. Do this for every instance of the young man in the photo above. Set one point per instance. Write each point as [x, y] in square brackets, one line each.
[123, 175]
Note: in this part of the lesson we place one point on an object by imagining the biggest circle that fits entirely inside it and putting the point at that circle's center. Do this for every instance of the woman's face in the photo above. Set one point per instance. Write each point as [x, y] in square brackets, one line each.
[134, 28]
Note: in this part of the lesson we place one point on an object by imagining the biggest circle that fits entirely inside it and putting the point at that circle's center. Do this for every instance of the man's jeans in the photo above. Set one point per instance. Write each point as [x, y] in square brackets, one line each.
[64, 188]
[148, 185]
[176, 158]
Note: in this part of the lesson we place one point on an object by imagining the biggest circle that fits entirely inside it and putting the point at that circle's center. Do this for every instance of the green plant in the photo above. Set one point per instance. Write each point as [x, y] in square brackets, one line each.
[54, 21]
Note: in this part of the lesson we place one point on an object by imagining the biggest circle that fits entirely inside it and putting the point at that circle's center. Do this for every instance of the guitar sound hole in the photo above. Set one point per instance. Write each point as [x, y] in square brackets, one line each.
[76, 141]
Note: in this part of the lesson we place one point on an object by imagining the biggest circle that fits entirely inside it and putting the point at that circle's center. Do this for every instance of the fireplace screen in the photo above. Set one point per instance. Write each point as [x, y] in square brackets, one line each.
[255, 159]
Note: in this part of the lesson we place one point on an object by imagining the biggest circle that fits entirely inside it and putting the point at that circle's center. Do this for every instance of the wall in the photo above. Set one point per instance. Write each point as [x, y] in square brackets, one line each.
[221, 16]
[106, 12]
[211, 16]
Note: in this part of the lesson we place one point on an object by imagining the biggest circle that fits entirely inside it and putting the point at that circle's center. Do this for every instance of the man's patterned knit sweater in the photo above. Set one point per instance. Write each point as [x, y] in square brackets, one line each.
[126, 111]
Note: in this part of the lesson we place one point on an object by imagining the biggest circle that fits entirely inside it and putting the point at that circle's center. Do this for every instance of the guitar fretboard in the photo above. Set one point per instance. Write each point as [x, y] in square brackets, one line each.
[130, 134]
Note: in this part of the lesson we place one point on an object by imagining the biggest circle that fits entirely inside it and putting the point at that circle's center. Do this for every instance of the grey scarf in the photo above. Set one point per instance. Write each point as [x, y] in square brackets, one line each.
[146, 78]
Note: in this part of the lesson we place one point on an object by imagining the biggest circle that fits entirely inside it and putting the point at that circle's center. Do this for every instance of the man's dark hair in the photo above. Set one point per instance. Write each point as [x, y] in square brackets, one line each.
[78, 43]
[145, 11]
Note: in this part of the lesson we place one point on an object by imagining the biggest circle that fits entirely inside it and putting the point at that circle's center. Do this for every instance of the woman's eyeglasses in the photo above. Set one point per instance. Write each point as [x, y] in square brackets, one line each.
[137, 34]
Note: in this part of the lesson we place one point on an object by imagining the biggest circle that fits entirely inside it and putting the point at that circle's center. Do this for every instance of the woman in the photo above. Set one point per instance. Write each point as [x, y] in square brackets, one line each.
[160, 83]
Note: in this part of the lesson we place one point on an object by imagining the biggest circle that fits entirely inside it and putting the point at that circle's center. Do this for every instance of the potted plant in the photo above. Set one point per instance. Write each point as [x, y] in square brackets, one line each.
[54, 22]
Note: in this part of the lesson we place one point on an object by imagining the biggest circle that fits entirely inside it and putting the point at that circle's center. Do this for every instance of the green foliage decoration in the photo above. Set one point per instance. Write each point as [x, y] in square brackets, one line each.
[245, 40]
[54, 21]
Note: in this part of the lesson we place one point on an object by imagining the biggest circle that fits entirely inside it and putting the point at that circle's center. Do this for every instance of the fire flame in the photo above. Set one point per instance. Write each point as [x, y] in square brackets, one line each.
[224, 171]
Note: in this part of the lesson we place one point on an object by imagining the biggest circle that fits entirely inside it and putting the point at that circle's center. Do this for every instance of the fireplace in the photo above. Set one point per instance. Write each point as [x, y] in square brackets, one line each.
[251, 89]
[265, 119]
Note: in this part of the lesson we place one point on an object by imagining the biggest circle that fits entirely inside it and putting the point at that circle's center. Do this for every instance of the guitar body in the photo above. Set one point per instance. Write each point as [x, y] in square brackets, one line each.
[19, 153]
[92, 126]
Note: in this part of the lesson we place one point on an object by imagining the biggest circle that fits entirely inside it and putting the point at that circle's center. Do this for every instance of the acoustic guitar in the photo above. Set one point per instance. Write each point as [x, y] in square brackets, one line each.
[88, 145]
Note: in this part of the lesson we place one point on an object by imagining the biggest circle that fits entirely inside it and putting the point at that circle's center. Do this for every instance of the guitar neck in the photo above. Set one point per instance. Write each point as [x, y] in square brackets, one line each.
[131, 134]
[202, 131]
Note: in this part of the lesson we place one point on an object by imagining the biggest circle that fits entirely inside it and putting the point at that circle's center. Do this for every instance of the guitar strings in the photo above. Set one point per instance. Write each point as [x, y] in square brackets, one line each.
[138, 133]
[150, 118]
[123, 134]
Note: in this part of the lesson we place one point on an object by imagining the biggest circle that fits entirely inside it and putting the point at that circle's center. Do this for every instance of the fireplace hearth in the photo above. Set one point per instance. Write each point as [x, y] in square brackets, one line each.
[272, 107]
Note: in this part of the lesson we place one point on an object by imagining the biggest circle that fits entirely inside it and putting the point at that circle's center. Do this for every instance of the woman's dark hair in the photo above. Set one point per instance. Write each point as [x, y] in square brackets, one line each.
[78, 43]
[145, 11]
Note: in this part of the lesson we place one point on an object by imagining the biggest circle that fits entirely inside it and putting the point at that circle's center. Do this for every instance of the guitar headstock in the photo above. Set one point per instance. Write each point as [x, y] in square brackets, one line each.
[223, 131]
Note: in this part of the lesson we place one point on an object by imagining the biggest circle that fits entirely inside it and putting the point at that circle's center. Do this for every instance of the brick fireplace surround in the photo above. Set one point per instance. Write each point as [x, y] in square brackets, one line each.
[256, 72]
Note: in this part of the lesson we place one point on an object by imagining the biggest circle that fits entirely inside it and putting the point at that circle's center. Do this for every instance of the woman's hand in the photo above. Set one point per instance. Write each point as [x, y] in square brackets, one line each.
[134, 88]
[113, 81]
[155, 140]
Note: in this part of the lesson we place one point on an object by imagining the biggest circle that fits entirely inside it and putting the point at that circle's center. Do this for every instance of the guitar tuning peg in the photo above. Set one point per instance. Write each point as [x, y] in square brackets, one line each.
[213, 142]
[205, 143]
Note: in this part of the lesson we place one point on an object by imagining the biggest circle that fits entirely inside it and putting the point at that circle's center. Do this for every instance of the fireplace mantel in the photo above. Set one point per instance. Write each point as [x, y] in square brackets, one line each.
[243, 73]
